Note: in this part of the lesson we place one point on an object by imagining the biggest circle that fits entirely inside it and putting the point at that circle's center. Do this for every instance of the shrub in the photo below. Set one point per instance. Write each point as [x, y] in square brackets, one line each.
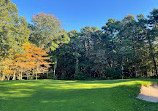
[113, 74]
[80, 76]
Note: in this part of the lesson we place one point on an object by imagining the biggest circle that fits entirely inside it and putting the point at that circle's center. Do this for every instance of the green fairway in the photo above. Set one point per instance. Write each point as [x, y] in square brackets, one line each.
[58, 95]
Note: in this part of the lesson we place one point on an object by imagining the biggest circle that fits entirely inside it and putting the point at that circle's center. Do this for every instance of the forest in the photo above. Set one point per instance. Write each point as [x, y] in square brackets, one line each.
[43, 49]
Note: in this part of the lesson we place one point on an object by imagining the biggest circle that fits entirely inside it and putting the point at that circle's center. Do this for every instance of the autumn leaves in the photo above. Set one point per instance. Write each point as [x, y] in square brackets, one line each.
[28, 64]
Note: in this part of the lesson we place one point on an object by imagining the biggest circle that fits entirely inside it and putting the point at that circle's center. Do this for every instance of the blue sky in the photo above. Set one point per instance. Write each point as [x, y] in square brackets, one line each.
[76, 14]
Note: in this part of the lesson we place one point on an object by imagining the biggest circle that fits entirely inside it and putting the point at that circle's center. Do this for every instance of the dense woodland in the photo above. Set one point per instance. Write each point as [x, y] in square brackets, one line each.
[126, 48]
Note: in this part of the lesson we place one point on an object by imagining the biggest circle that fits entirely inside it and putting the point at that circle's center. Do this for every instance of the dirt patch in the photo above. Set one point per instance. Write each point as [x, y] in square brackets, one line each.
[149, 93]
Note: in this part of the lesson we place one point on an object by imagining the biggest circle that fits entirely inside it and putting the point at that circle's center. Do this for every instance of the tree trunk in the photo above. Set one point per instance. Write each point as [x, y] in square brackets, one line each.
[134, 55]
[8, 78]
[21, 76]
[36, 75]
[121, 61]
[76, 66]
[47, 74]
[55, 65]
[113, 62]
[113, 59]
[3, 77]
[36, 72]
[27, 76]
[122, 74]
[135, 65]
[86, 48]
[54, 69]
[135, 68]
[13, 76]
[151, 52]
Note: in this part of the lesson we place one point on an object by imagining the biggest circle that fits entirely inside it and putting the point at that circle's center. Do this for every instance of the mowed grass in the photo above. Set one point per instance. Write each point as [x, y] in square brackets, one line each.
[58, 95]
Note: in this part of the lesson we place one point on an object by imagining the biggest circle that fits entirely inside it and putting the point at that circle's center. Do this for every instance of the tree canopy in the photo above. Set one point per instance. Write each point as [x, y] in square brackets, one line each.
[124, 48]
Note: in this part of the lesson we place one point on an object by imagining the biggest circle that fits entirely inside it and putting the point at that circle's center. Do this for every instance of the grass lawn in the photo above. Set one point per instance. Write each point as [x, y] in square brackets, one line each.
[58, 95]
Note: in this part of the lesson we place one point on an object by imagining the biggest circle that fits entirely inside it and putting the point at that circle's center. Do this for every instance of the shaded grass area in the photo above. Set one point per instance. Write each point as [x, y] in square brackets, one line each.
[58, 95]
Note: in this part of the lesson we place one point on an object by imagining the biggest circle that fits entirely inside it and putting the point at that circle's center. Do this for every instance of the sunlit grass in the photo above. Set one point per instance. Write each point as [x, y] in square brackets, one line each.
[92, 86]
[58, 95]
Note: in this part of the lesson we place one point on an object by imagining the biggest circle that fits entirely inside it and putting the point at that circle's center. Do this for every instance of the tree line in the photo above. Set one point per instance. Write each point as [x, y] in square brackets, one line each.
[124, 48]
[43, 49]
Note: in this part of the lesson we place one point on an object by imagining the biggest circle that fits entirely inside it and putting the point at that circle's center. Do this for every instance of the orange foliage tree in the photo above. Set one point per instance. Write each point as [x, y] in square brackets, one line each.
[31, 62]
[7, 65]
